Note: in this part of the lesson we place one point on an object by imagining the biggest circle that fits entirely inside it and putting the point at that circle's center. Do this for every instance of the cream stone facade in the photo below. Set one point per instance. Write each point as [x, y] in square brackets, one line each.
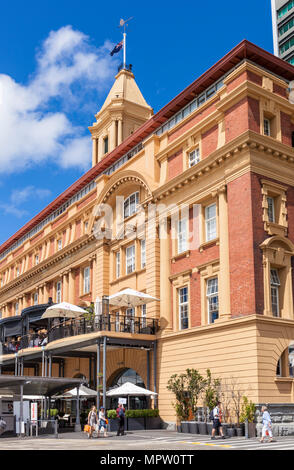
[214, 277]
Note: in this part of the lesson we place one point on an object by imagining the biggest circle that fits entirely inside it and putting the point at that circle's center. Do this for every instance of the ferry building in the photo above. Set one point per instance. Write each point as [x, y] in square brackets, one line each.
[223, 150]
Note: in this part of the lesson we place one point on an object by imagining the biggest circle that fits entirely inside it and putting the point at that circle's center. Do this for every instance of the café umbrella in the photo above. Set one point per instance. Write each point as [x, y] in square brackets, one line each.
[128, 389]
[130, 298]
[64, 309]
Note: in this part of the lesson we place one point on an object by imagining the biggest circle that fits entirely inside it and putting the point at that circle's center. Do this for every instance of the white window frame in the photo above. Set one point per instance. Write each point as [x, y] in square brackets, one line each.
[275, 285]
[87, 280]
[130, 259]
[117, 321]
[182, 235]
[117, 264]
[16, 308]
[183, 293]
[266, 127]
[211, 292]
[271, 209]
[194, 157]
[36, 260]
[35, 298]
[143, 253]
[130, 318]
[131, 204]
[210, 234]
[59, 244]
[144, 315]
[58, 292]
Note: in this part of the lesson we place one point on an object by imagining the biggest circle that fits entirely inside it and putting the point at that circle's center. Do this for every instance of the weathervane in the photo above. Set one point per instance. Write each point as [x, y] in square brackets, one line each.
[123, 24]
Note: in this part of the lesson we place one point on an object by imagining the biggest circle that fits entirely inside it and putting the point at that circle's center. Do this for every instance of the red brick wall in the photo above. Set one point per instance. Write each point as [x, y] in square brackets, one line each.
[209, 141]
[236, 120]
[253, 77]
[279, 90]
[196, 258]
[242, 274]
[175, 165]
[253, 114]
[287, 128]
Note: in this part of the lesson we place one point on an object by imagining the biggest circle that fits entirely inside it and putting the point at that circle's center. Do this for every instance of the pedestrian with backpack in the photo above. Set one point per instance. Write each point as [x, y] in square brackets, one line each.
[215, 416]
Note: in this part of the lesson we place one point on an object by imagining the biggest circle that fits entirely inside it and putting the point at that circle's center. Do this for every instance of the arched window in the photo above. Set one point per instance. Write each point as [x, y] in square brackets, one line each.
[285, 365]
[131, 204]
[127, 375]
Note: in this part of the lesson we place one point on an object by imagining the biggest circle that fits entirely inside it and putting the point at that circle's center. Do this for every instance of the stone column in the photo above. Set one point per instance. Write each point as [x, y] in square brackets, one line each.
[112, 136]
[94, 151]
[71, 286]
[224, 269]
[100, 148]
[65, 295]
[120, 132]
[165, 286]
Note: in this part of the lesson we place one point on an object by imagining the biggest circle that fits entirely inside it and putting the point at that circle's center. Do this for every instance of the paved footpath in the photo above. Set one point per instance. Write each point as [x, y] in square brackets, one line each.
[142, 440]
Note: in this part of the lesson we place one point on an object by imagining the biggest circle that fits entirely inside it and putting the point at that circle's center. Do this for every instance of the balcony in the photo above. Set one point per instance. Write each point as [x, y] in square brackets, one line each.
[111, 323]
[82, 326]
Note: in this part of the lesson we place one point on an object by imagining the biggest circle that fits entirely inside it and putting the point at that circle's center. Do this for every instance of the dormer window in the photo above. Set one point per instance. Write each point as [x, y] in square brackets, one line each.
[131, 205]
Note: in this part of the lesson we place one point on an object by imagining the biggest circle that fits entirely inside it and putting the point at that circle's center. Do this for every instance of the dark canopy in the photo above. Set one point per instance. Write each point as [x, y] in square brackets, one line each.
[10, 326]
[46, 386]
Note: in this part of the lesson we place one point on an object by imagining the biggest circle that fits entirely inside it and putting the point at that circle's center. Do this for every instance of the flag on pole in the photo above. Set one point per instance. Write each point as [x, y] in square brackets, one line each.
[117, 48]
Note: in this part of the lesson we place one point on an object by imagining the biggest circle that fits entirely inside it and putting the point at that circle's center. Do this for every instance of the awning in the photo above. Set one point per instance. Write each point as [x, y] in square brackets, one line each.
[129, 389]
[130, 298]
[84, 392]
[10, 326]
[47, 386]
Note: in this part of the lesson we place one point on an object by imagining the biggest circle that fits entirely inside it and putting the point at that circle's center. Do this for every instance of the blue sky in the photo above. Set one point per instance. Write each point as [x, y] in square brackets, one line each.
[55, 72]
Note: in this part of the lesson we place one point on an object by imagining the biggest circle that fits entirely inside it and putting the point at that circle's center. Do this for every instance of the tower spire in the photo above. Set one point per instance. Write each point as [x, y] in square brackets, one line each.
[123, 24]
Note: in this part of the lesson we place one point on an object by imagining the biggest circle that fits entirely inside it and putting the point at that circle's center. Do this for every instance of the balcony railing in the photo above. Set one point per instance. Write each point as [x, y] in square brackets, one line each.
[82, 326]
[119, 324]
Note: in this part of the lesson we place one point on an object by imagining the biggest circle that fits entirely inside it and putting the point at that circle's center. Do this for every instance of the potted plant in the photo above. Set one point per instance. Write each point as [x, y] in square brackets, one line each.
[210, 399]
[112, 420]
[178, 385]
[196, 384]
[248, 411]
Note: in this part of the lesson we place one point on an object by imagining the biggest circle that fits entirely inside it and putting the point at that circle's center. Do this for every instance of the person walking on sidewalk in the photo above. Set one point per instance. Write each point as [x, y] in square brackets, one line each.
[121, 423]
[267, 425]
[217, 424]
[92, 420]
[102, 422]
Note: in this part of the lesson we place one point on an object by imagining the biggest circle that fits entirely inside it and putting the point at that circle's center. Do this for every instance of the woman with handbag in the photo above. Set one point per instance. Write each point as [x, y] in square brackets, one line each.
[102, 422]
[92, 420]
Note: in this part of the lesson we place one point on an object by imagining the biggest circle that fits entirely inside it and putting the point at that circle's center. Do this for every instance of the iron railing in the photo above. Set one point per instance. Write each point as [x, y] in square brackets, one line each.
[82, 326]
[115, 323]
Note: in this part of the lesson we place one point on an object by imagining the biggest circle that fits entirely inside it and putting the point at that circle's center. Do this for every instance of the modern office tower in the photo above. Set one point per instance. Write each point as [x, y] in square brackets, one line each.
[283, 29]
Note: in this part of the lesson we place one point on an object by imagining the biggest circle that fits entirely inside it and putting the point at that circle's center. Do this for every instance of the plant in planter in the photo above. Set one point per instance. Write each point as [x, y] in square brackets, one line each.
[248, 411]
[177, 384]
[211, 394]
[196, 384]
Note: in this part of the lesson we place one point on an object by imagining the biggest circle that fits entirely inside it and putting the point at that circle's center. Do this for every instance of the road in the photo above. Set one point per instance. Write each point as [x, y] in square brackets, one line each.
[142, 440]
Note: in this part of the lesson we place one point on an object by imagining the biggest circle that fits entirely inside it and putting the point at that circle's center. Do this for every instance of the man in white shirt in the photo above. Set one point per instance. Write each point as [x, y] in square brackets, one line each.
[217, 421]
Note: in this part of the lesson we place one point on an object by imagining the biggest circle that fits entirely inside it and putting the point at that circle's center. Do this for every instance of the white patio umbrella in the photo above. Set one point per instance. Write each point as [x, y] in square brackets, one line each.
[130, 298]
[129, 389]
[64, 309]
[84, 392]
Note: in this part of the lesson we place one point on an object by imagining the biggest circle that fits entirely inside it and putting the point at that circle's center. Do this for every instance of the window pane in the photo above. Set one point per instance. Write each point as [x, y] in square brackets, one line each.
[275, 280]
[275, 301]
[182, 236]
[183, 308]
[271, 209]
[210, 222]
[130, 259]
[212, 299]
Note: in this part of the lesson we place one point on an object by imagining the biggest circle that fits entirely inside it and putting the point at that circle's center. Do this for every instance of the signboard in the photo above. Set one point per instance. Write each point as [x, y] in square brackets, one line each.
[122, 401]
[34, 411]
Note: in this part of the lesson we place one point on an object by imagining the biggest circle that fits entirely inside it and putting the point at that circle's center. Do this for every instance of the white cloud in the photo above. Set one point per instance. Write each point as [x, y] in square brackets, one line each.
[21, 196]
[35, 118]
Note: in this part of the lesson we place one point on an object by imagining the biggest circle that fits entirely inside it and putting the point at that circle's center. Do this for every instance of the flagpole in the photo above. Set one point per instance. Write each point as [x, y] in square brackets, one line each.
[124, 47]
